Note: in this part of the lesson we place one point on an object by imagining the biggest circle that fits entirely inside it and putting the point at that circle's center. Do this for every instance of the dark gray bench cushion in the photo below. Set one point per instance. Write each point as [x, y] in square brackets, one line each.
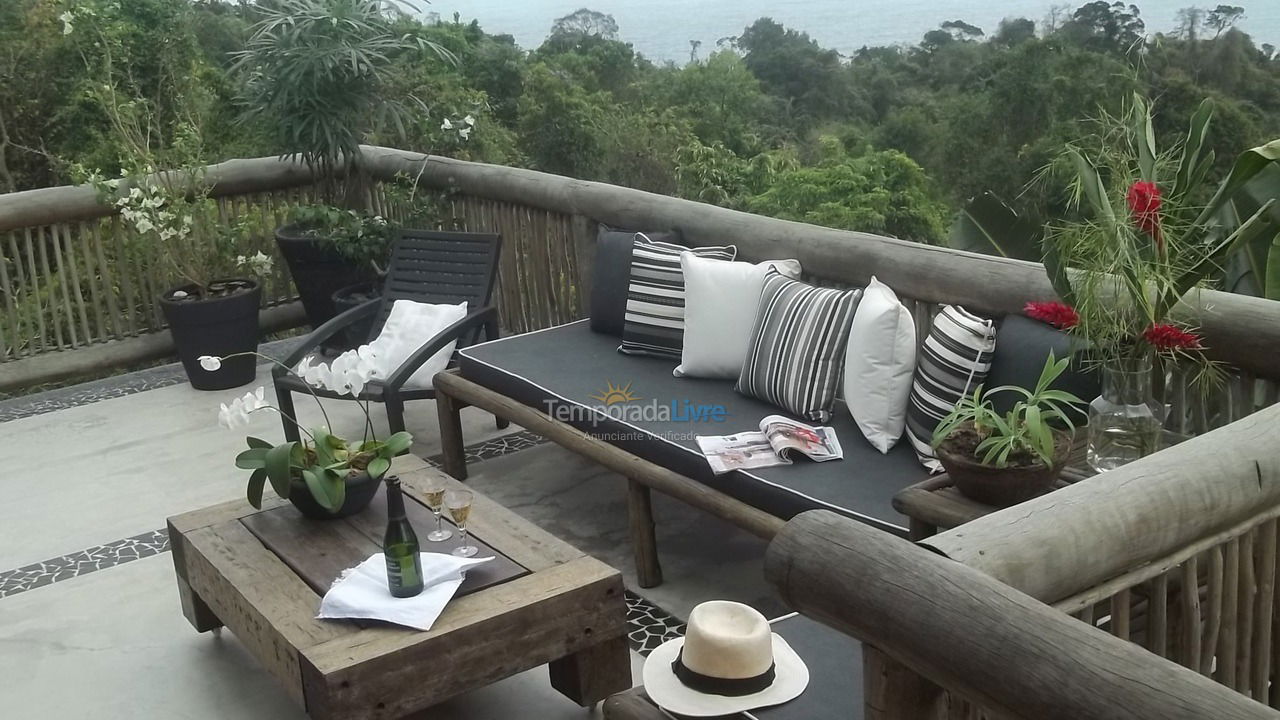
[559, 370]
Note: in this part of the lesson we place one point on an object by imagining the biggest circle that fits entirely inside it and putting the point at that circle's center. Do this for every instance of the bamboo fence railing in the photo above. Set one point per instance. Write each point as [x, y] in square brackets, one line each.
[1176, 553]
[80, 293]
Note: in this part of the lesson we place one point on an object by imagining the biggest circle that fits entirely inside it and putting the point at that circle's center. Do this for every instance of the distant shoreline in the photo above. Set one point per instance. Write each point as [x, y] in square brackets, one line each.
[661, 29]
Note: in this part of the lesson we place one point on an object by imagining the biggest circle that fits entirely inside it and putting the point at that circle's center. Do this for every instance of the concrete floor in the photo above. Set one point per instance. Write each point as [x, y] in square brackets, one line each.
[119, 467]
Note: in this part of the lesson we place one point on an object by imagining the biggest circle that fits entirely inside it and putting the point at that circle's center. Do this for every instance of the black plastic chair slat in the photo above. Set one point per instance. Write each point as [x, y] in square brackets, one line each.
[432, 266]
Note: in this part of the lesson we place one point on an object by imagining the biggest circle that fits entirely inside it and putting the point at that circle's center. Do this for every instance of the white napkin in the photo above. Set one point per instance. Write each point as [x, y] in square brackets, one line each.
[363, 592]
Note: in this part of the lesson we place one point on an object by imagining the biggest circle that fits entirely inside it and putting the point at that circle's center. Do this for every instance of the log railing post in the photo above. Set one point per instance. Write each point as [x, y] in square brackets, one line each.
[893, 691]
[972, 635]
[1076, 538]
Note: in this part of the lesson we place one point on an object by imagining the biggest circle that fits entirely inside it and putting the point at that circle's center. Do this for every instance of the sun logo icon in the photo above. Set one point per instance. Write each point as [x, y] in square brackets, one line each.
[614, 394]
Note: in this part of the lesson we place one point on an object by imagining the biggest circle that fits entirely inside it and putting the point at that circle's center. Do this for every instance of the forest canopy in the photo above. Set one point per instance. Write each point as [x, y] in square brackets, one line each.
[890, 140]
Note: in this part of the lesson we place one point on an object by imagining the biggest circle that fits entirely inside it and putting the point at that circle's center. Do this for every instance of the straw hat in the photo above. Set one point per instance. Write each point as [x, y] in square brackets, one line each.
[728, 661]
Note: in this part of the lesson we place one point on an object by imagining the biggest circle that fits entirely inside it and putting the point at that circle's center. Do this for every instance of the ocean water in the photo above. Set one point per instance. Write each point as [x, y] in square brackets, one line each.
[662, 29]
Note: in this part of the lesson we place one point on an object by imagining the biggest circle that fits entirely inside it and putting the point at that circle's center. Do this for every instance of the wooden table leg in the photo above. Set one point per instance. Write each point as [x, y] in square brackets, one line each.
[195, 609]
[591, 675]
[451, 442]
[644, 541]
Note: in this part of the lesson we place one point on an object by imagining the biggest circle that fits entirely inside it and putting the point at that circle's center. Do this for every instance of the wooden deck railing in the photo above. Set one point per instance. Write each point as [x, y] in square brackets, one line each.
[1175, 554]
[942, 641]
[75, 297]
[77, 293]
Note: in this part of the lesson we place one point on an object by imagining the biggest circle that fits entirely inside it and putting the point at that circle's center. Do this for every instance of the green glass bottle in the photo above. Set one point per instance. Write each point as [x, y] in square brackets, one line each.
[400, 546]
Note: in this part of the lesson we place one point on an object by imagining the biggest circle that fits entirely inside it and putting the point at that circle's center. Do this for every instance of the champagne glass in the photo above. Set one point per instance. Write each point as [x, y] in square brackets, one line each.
[459, 504]
[434, 491]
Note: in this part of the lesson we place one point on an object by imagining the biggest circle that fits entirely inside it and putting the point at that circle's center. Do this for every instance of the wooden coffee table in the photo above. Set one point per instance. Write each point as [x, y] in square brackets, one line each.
[261, 574]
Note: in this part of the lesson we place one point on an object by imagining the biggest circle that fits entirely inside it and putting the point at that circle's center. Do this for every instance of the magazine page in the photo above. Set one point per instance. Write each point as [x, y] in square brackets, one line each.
[742, 451]
[786, 435]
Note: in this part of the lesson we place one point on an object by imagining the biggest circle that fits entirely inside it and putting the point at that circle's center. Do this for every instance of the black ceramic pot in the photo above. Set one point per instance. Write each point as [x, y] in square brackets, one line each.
[217, 326]
[354, 296]
[318, 272]
[360, 491]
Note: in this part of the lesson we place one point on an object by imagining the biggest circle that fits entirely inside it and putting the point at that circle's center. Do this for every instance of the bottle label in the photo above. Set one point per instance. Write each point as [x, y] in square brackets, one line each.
[402, 571]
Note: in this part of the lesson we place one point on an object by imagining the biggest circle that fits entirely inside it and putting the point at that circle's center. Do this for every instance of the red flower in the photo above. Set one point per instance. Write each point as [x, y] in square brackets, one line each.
[1054, 313]
[1144, 203]
[1172, 337]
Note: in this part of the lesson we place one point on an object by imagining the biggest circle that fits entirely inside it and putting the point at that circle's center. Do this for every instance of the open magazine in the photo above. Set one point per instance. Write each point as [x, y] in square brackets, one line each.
[778, 438]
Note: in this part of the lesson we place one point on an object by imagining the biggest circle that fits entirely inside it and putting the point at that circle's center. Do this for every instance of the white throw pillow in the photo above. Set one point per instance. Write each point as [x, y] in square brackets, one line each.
[721, 298]
[409, 326]
[878, 365]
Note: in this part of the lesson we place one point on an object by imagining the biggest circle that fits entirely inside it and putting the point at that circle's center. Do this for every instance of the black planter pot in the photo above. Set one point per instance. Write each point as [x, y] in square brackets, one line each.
[360, 492]
[318, 272]
[354, 296]
[217, 326]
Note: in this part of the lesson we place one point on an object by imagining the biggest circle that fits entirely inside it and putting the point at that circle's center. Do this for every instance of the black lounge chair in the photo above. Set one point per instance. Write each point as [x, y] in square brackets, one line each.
[426, 266]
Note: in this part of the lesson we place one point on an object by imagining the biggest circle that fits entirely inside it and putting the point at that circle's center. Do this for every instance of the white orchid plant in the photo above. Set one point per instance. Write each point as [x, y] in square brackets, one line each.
[322, 461]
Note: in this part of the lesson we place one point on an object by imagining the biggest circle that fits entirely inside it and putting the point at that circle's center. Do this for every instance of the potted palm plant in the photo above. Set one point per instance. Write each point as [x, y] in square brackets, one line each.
[318, 72]
[1005, 459]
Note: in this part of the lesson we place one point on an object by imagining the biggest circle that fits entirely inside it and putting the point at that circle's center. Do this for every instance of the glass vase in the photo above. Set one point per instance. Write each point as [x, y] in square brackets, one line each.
[1125, 421]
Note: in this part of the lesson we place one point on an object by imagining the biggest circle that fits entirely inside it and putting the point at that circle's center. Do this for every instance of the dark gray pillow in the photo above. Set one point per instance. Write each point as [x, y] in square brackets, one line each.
[1022, 344]
[613, 275]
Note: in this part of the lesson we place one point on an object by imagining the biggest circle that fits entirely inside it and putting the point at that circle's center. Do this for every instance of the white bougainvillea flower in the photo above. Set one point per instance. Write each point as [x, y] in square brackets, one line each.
[210, 362]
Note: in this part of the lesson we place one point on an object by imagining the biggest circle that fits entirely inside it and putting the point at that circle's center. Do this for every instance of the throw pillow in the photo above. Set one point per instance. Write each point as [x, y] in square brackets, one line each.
[797, 346]
[954, 360]
[1022, 346]
[720, 303]
[409, 326]
[613, 274]
[654, 322]
[879, 364]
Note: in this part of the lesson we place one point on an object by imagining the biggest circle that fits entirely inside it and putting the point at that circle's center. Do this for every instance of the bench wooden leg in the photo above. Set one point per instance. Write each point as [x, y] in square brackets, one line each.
[591, 675]
[452, 448]
[644, 542]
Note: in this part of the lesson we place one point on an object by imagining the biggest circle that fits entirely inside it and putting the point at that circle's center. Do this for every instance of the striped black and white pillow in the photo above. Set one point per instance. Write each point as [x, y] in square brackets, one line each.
[654, 322]
[952, 363]
[797, 346]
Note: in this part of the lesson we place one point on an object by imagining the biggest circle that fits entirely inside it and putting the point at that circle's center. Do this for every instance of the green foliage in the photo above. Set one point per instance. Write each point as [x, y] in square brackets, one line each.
[324, 462]
[882, 192]
[975, 111]
[317, 70]
[361, 238]
[1129, 273]
[1030, 427]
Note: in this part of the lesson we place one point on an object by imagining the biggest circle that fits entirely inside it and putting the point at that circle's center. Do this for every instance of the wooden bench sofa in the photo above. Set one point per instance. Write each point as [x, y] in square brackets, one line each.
[525, 379]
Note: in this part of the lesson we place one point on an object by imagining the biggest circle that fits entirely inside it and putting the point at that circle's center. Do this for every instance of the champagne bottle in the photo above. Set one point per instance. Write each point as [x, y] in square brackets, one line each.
[400, 546]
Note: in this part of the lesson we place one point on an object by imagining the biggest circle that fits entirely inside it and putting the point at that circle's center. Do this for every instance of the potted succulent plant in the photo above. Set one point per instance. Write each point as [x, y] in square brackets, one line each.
[323, 475]
[1006, 459]
[319, 72]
